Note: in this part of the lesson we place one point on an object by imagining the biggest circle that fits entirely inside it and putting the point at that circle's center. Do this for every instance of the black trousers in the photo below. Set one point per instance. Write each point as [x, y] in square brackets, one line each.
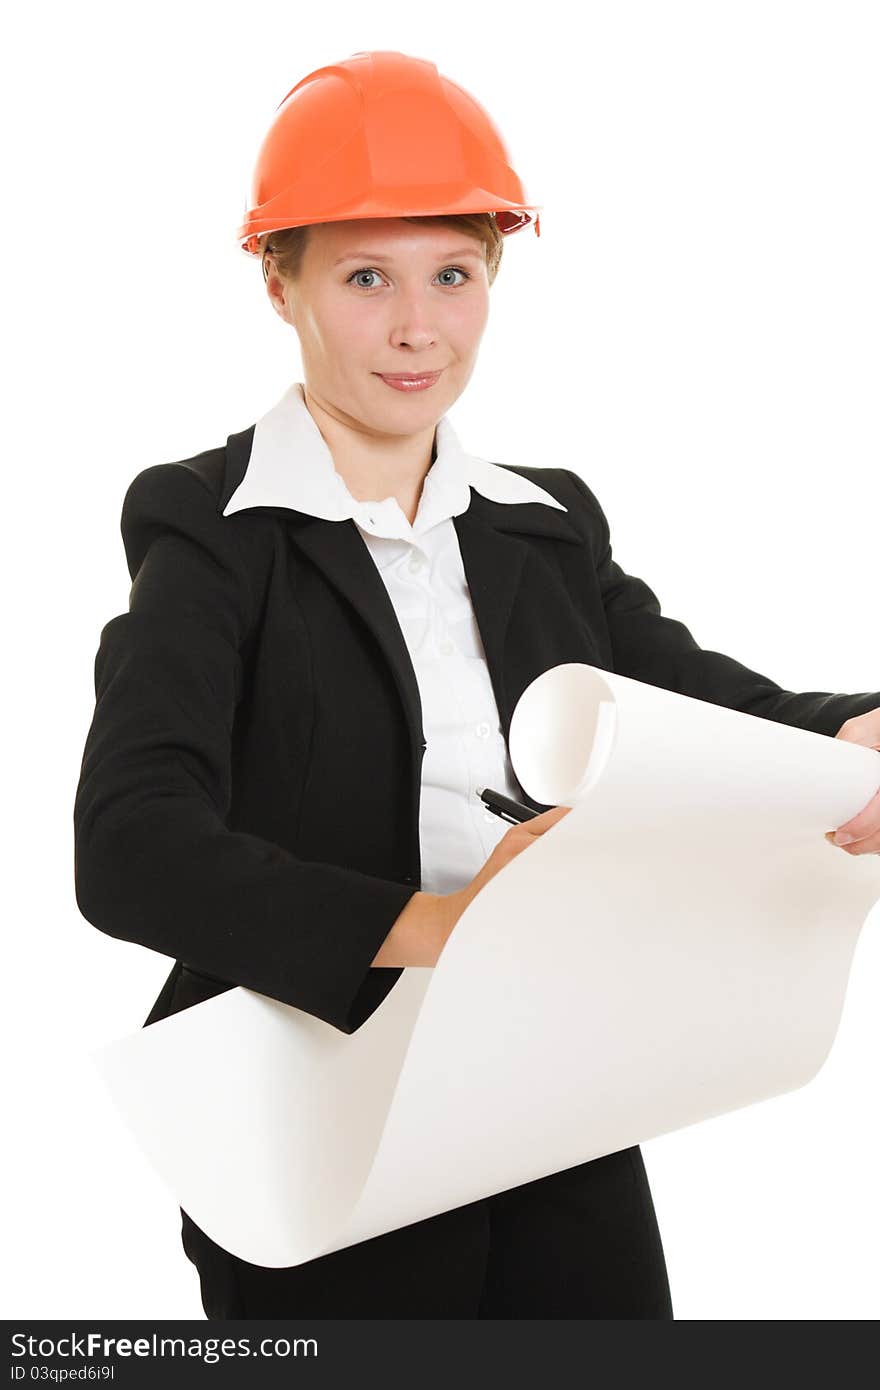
[582, 1243]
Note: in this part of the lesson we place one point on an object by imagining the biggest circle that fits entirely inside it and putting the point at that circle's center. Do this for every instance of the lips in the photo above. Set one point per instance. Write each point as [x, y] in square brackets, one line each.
[409, 376]
[409, 383]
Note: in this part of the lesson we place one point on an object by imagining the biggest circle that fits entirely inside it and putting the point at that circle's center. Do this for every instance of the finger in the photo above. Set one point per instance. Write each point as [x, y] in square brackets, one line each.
[537, 825]
[860, 826]
[868, 845]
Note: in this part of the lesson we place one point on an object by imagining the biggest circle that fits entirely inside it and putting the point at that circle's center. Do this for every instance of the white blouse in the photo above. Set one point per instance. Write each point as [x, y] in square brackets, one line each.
[421, 567]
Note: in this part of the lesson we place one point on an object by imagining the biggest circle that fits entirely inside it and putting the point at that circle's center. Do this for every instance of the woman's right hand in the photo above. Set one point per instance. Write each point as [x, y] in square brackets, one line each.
[518, 838]
[426, 922]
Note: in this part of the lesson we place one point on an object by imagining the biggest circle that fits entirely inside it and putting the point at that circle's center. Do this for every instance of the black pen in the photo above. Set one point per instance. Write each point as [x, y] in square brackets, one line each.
[503, 806]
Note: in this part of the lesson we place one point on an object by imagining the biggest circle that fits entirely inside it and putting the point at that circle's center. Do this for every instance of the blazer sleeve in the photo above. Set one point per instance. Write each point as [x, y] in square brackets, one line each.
[651, 647]
[155, 862]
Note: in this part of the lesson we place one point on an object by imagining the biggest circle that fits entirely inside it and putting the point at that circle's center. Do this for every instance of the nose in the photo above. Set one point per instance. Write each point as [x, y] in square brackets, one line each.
[413, 324]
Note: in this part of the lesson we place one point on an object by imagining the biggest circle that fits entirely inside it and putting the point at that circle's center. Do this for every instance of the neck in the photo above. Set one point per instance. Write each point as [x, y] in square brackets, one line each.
[374, 466]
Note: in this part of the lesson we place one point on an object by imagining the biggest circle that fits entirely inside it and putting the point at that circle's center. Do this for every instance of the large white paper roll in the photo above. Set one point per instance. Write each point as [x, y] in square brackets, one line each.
[676, 947]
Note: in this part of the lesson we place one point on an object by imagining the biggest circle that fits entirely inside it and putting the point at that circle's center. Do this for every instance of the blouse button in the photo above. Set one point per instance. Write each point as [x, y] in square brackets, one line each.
[415, 564]
[483, 730]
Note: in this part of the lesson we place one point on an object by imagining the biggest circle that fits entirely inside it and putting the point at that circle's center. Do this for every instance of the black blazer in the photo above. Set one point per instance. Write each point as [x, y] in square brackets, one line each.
[248, 802]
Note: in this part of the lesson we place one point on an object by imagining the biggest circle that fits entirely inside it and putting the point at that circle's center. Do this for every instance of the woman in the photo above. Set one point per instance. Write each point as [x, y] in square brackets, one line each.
[331, 620]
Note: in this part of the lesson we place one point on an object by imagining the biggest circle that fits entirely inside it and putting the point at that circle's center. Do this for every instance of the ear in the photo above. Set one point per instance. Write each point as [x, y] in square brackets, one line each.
[275, 289]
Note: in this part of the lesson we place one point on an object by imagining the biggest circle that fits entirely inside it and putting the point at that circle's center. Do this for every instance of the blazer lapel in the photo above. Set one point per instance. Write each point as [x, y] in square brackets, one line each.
[496, 562]
[502, 579]
[337, 548]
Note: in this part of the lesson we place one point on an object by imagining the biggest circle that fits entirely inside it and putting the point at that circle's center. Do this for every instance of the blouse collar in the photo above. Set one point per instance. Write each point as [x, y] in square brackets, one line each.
[291, 466]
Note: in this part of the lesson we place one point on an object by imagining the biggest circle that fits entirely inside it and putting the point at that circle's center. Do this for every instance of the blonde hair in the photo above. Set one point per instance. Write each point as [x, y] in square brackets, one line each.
[286, 247]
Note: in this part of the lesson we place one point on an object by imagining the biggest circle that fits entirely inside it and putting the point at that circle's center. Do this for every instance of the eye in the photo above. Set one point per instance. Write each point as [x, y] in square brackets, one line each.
[368, 270]
[456, 269]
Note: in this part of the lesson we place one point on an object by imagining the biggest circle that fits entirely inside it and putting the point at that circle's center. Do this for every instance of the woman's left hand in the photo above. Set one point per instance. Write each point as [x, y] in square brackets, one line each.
[861, 833]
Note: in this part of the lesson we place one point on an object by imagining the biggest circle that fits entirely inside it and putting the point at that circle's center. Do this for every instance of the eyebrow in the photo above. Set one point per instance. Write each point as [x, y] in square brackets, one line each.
[460, 254]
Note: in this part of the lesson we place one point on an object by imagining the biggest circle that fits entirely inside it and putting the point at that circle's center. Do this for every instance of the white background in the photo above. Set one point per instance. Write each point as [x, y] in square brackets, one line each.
[695, 331]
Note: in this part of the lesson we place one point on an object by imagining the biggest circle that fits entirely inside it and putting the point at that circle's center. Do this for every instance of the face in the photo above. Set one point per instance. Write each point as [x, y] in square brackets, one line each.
[383, 295]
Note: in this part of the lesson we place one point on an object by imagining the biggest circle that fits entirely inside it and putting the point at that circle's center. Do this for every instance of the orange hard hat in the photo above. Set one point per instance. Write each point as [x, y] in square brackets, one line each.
[380, 135]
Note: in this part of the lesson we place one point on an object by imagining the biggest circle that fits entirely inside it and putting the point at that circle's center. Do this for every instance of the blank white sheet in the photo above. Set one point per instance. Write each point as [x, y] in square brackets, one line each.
[676, 947]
